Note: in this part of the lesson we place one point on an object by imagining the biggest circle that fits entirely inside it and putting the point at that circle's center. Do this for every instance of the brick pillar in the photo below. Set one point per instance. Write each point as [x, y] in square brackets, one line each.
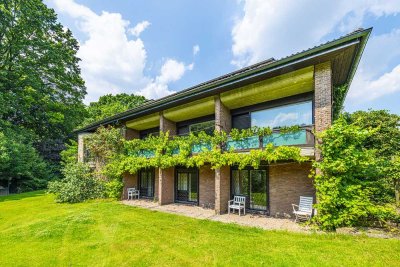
[323, 98]
[166, 177]
[223, 122]
[81, 146]
[222, 189]
[131, 134]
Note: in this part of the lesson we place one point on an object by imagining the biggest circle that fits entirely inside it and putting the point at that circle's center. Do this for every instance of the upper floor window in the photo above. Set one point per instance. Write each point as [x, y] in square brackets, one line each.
[205, 124]
[287, 115]
[149, 132]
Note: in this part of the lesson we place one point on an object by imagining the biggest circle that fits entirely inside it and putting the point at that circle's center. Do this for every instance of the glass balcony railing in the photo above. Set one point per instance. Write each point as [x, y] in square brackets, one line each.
[146, 153]
[251, 142]
[197, 148]
[288, 139]
[303, 137]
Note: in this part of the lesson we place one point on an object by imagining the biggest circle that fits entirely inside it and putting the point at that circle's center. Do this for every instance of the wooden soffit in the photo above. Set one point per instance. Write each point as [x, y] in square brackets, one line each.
[145, 122]
[195, 109]
[288, 84]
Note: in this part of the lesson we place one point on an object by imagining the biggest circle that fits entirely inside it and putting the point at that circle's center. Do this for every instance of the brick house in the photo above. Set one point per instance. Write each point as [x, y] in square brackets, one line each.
[300, 89]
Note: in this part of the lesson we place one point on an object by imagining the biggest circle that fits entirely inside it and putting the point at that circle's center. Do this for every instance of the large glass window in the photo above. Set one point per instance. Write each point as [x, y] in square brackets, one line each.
[207, 127]
[288, 115]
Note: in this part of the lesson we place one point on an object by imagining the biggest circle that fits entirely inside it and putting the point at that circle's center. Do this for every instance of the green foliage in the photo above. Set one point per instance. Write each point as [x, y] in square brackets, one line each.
[41, 90]
[109, 105]
[21, 166]
[164, 151]
[79, 184]
[339, 94]
[70, 153]
[113, 188]
[351, 184]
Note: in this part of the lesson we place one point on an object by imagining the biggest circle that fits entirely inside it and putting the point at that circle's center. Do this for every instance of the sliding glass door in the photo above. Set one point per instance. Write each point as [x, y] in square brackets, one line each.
[187, 185]
[253, 184]
[146, 183]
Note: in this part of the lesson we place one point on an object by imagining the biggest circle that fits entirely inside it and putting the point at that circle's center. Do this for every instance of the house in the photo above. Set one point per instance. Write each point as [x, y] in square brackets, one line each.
[304, 89]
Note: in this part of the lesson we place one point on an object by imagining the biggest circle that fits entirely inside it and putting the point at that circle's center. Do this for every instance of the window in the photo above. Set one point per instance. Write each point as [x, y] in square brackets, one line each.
[149, 132]
[289, 115]
[207, 127]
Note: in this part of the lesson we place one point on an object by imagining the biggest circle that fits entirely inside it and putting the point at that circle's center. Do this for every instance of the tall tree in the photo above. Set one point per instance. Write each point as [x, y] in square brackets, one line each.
[109, 105]
[40, 82]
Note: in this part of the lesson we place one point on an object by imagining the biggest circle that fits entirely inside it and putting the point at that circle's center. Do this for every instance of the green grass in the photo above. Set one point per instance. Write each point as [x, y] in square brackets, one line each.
[35, 231]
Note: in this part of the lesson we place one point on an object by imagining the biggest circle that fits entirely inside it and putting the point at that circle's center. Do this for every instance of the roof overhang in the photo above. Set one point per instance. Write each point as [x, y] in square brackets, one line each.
[344, 53]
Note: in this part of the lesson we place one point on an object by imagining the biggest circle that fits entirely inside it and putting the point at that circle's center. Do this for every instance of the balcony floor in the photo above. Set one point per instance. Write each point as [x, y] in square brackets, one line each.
[250, 220]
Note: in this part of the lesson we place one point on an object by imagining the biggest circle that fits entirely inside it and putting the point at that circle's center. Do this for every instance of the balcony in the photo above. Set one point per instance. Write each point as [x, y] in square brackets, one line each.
[303, 138]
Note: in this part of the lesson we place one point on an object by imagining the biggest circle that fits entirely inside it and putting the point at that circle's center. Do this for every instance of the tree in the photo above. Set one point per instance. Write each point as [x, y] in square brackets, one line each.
[109, 105]
[40, 81]
[357, 179]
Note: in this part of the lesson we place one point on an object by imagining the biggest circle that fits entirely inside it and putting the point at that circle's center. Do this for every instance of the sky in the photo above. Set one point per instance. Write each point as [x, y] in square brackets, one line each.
[155, 47]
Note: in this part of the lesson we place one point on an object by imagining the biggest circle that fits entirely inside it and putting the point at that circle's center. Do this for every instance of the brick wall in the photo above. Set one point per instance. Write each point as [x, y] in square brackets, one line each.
[131, 134]
[206, 187]
[166, 186]
[129, 180]
[323, 98]
[222, 189]
[287, 182]
[223, 120]
[167, 125]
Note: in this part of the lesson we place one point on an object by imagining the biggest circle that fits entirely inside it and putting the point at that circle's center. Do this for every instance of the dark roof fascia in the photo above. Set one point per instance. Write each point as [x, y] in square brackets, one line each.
[239, 76]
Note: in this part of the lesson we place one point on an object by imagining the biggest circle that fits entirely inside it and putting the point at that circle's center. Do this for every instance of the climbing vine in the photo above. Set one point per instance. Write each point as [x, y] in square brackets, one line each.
[195, 150]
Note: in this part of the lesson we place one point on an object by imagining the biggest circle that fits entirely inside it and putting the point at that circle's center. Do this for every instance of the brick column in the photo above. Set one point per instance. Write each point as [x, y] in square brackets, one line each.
[223, 122]
[131, 134]
[81, 146]
[222, 189]
[322, 98]
[166, 177]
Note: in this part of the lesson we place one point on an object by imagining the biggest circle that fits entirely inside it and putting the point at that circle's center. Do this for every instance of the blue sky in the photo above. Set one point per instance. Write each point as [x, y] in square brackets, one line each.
[155, 48]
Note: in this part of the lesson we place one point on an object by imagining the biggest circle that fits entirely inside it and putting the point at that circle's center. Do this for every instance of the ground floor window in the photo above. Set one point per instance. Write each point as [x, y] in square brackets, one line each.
[253, 184]
[187, 185]
[146, 183]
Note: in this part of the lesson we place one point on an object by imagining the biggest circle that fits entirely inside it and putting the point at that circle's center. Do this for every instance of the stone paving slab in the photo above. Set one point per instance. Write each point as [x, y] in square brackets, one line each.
[251, 220]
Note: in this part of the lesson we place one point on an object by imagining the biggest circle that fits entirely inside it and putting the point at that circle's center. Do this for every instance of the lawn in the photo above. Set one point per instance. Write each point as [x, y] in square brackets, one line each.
[36, 231]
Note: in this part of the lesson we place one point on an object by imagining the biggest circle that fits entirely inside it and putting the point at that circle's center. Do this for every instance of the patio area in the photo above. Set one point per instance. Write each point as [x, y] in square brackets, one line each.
[251, 220]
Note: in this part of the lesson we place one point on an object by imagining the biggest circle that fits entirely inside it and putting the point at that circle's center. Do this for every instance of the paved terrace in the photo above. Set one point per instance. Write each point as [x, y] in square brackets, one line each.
[251, 220]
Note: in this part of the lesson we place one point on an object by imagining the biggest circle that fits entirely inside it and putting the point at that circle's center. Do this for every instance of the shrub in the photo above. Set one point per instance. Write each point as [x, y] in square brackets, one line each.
[349, 183]
[79, 184]
[113, 189]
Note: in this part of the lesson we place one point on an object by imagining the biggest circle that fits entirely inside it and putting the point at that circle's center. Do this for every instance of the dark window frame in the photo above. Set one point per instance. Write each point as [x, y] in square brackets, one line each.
[296, 99]
[151, 131]
[185, 124]
[262, 166]
[152, 170]
[186, 170]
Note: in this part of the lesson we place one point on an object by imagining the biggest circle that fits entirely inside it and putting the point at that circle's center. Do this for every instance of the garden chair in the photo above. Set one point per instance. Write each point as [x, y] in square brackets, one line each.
[305, 208]
[237, 203]
[133, 193]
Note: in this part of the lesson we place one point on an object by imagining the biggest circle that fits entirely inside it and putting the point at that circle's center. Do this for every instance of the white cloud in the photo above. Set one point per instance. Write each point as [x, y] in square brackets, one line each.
[139, 28]
[374, 77]
[196, 50]
[111, 61]
[366, 89]
[277, 28]
[171, 71]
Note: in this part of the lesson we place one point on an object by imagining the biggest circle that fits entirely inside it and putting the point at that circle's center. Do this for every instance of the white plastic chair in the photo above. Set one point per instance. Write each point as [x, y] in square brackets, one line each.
[132, 193]
[237, 203]
[305, 208]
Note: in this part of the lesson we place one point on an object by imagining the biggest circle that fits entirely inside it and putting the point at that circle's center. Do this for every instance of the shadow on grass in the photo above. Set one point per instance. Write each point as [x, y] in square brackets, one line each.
[22, 196]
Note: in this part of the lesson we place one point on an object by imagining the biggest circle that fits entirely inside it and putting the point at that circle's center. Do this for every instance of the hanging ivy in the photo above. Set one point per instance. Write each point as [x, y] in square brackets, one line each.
[165, 151]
